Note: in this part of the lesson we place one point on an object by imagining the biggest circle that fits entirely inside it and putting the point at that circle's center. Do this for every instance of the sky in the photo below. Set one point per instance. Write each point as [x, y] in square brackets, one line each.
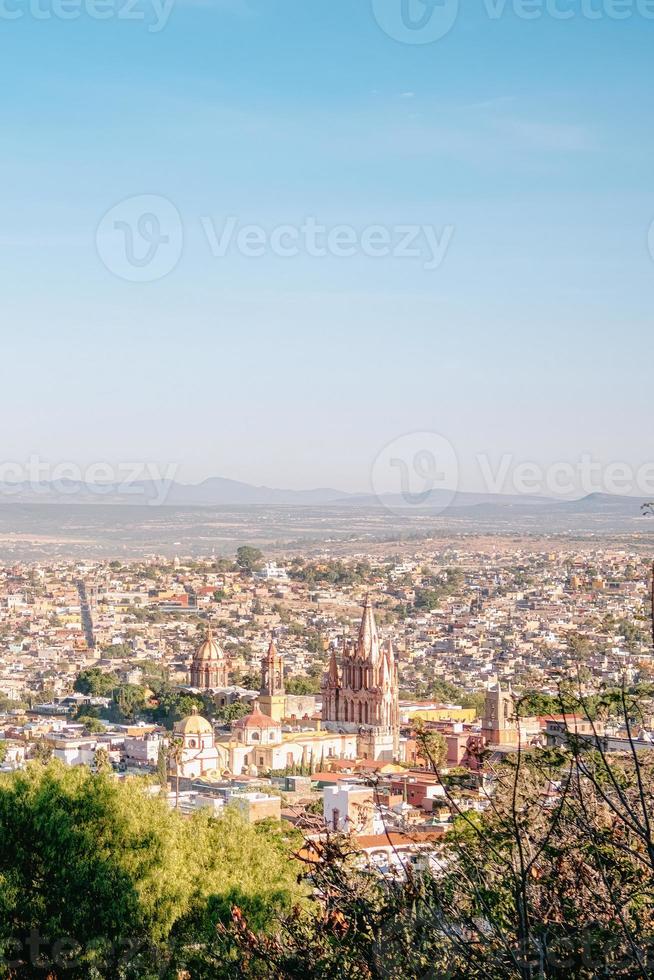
[166, 301]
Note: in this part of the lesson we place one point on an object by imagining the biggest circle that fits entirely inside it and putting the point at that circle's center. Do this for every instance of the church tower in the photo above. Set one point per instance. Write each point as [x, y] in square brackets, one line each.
[209, 667]
[500, 725]
[362, 695]
[272, 698]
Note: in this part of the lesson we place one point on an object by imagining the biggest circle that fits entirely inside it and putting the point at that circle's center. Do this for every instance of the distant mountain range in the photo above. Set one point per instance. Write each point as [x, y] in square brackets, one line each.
[220, 492]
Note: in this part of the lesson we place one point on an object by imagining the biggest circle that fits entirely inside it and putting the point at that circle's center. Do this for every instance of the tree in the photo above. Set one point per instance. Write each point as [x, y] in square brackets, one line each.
[578, 648]
[555, 879]
[172, 706]
[175, 747]
[42, 752]
[302, 685]
[248, 559]
[102, 761]
[432, 744]
[93, 725]
[129, 701]
[234, 711]
[94, 682]
[477, 700]
[109, 882]
[427, 599]
[117, 651]
[162, 766]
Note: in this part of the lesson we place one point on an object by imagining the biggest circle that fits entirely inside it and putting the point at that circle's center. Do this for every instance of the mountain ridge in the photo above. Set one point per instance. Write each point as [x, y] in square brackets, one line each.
[224, 492]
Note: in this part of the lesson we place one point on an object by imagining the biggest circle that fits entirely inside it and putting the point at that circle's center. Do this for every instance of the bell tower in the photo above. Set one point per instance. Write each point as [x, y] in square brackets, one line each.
[500, 725]
[272, 696]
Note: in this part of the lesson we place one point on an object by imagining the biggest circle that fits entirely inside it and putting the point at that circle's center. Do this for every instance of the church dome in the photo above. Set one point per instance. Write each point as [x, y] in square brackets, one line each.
[256, 719]
[194, 724]
[209, 651]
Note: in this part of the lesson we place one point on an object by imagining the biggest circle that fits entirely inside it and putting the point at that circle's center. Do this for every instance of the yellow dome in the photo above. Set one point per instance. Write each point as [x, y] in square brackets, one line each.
[195, 724]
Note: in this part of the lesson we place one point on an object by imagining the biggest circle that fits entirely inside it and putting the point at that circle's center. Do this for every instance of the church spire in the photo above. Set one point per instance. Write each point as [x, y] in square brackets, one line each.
[368, 641]
[333, 680]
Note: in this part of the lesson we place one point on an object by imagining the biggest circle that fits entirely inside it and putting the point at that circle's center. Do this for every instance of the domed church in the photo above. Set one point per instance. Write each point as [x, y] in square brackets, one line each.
[209, 667]
[198, 754]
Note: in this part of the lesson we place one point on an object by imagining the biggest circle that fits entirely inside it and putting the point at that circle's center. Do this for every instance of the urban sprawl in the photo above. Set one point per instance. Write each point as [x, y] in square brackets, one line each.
[302, 688]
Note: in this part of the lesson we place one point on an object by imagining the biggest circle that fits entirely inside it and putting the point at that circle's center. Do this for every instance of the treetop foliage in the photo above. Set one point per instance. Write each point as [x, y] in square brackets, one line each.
[126, 886]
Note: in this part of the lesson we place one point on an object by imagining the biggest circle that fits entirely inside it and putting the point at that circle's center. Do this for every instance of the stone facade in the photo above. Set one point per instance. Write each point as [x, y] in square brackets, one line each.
[499, 725]
[361, 695]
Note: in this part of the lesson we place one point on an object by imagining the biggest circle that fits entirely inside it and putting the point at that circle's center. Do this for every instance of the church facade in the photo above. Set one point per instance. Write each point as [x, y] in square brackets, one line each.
[360, 713]
[360, 695]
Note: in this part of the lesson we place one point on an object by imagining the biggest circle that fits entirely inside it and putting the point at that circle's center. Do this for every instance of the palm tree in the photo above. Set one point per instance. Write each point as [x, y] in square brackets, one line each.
[175, 756]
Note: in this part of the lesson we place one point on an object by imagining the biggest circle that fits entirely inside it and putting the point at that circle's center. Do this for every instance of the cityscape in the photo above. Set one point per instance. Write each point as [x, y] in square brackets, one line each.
[327, 490]
[370, 697]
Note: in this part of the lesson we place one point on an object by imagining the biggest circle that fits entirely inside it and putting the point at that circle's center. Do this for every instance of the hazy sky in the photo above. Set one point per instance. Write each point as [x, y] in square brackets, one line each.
[525, 146]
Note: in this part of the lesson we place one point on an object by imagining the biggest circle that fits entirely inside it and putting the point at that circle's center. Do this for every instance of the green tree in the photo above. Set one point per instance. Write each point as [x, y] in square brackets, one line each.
[234, 711]
[141, 891]
[93, 725]
[162, 766]
[42, 752]
[302, 685]
[172, 706]
[249, 559]
[129, 702]
[102, 762]
[94, 682]
[432, 744]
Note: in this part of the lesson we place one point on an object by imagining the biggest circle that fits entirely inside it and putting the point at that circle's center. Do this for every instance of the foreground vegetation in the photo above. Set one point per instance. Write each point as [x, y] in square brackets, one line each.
[100, 878]
[555, 879]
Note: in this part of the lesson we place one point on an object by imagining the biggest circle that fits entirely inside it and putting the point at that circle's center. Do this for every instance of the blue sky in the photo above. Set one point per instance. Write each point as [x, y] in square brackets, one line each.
[531, 140]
